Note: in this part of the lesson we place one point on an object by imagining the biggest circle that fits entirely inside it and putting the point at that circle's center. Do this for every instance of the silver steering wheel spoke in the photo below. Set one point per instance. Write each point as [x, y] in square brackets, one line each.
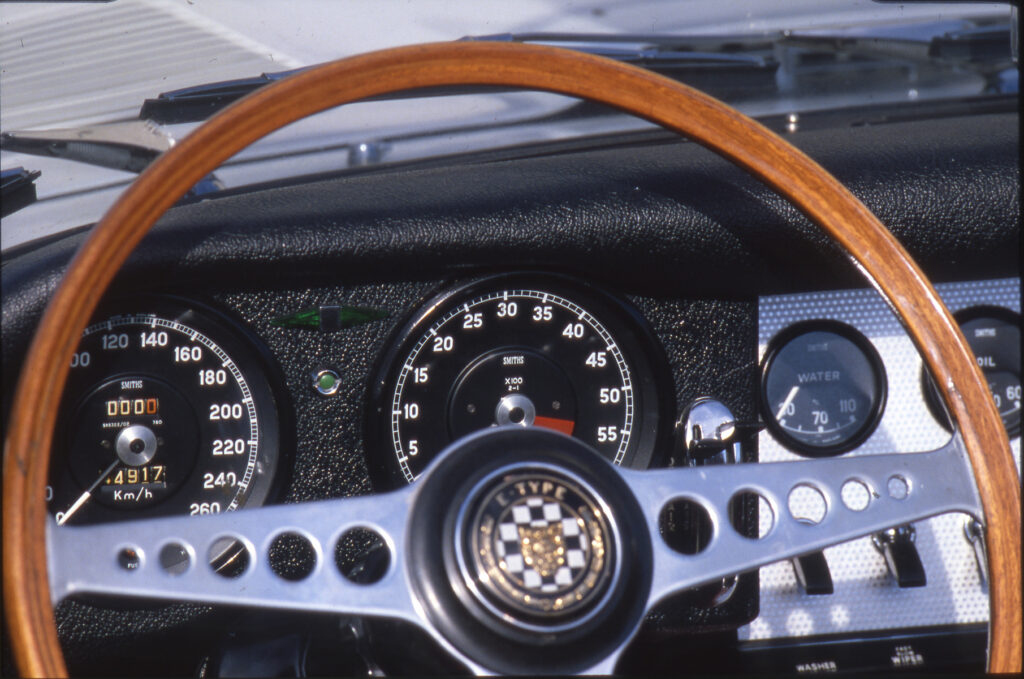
[170, 558]
[514, 535]
[852, 496]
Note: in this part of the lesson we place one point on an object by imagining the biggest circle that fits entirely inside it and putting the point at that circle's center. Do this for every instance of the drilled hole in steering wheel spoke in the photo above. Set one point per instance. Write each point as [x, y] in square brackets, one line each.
[807, 504]
[129, 558]
[856, 495]
[292, 556]
[741, 505]
[229, 557]
[175, 558]
[362, 556]
[899, 487]
[685, 526]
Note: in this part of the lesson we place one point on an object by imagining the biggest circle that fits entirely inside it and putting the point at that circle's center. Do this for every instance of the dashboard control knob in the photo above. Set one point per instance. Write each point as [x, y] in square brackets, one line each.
[709, 430]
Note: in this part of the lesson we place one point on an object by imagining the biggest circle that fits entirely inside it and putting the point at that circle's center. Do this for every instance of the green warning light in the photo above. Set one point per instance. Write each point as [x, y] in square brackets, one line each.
[326, 382]
[330, 317]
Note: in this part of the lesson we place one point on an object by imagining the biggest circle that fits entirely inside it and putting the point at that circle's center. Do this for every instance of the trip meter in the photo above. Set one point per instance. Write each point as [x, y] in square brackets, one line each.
[823, 387]
[168, 410]
[519, 350]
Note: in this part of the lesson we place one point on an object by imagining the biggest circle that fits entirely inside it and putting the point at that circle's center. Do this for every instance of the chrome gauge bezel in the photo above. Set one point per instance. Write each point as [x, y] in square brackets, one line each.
[963, 316]
[874, 360]
[647, 364]
[245, 354]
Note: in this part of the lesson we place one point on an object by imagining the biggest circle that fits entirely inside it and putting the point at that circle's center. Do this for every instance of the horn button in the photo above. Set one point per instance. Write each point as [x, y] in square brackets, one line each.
[539, 549]
[531, 554]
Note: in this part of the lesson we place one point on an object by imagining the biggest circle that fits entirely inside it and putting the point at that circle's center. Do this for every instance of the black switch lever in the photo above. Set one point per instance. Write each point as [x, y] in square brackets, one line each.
[813, 574]
[897, 546]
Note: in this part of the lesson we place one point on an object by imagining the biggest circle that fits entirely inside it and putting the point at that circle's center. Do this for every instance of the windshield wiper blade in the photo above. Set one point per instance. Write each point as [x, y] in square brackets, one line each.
[658, 53]
[674, 57]
[982, 44]
[731, 67]
[199, 102]
[17, 189]
[961, 43]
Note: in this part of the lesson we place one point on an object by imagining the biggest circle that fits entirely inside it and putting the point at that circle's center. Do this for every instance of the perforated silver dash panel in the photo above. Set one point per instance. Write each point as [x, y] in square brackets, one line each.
[866, 596]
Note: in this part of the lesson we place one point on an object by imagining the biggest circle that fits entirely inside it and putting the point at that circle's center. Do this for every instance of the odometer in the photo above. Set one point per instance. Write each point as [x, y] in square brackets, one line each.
[520, 350]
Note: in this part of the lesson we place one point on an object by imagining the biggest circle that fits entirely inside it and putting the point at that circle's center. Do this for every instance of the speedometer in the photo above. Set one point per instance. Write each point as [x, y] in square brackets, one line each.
[520, 350]
[168, 410]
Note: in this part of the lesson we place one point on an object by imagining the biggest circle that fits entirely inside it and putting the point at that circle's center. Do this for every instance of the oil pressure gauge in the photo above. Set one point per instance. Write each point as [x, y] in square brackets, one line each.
[993, 333]
[823, 387]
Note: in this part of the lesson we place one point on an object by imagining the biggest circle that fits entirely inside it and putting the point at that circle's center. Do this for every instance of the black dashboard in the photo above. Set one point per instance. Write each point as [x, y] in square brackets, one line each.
[360, 323]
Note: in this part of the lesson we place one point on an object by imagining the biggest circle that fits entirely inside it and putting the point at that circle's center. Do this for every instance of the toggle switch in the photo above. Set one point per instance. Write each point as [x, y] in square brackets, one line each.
[897, 546]
[812, 573]
[975, 534]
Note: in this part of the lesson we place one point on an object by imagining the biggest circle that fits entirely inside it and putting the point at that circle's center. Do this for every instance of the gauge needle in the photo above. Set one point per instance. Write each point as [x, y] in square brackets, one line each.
[785, 404]
[564, 426]
[87, 494]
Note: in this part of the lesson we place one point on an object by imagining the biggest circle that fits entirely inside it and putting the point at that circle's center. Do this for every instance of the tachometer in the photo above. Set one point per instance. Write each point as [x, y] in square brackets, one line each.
[526, 350]
[168, 410]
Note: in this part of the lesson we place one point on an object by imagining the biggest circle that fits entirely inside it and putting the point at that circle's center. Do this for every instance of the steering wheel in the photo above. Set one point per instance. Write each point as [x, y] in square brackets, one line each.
[450, 572]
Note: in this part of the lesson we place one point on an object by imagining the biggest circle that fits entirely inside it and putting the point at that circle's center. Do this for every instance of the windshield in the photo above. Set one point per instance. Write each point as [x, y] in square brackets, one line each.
[88, 67]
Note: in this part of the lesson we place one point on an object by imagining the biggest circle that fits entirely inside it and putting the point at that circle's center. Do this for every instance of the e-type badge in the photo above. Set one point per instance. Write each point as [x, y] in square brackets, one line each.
[541, 545]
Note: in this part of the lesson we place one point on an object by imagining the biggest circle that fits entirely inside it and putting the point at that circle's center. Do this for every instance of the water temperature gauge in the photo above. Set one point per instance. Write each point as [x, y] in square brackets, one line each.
[823, 387]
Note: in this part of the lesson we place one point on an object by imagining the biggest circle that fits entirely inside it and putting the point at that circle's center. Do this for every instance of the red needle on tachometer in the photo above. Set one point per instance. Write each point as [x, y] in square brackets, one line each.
[564, 426]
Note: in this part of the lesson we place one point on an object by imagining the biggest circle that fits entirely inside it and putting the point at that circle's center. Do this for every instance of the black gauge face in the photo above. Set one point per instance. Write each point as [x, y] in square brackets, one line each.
[524, 350]
[822, 387]
[993, 333]
[168, 410]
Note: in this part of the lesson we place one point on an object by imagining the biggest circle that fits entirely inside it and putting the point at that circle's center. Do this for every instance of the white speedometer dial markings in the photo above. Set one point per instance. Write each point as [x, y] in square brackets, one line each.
[179, 419]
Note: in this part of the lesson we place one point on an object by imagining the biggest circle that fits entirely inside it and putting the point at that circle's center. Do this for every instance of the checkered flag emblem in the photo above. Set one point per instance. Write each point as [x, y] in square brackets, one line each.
[541, 544]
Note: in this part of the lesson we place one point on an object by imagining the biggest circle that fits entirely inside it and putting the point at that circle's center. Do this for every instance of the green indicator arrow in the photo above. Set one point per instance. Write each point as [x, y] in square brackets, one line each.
[330, 317]
[310, 318]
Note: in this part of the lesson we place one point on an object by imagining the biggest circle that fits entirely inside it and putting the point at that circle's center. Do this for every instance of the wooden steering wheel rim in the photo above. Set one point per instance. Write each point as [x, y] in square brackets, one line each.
[677, 107]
